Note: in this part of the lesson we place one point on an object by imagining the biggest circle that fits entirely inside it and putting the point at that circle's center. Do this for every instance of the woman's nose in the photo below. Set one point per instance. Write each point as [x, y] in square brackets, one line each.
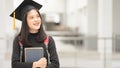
[36, 19]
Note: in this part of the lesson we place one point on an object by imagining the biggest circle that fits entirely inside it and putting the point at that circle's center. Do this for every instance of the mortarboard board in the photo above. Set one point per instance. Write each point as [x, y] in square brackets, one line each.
[17, 12]
[22, 5]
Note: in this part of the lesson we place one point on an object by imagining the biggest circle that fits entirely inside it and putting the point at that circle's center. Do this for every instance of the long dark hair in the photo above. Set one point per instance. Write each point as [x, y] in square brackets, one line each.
[25, 30]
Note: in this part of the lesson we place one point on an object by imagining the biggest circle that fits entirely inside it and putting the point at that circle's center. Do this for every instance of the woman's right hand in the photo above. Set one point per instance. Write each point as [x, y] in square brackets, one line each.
[42, 63]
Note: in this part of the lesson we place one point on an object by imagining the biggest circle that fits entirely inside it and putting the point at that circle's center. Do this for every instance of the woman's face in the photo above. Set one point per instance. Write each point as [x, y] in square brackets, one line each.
[33, 21]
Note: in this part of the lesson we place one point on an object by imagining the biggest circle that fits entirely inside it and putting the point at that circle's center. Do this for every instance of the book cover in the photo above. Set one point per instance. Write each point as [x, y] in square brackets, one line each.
[33, 54]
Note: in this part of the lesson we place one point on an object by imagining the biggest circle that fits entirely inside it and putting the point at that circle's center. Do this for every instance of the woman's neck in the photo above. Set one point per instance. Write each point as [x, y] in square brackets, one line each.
[33, 31]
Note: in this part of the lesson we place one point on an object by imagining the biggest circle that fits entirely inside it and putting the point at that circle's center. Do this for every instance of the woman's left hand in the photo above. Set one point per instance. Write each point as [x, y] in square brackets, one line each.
[42, 62]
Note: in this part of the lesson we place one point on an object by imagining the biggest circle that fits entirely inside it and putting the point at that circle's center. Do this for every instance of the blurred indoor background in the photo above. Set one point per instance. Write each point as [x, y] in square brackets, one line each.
[86, 32]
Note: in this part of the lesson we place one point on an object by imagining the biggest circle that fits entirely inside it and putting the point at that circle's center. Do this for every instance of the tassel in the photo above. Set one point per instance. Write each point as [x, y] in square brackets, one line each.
[14, 22]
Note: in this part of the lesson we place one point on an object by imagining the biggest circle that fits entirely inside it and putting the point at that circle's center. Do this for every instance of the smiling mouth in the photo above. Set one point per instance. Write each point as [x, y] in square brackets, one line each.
[36, 24]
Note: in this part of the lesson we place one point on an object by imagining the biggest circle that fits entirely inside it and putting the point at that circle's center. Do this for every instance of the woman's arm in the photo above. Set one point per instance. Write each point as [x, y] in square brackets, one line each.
[53, 54]
[16, 57]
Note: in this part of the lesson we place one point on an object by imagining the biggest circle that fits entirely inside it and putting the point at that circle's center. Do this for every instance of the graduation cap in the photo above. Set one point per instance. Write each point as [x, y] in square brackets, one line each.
[19, 11]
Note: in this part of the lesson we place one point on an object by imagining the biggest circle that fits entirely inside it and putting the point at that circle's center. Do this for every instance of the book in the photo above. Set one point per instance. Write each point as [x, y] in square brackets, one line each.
[33, 54]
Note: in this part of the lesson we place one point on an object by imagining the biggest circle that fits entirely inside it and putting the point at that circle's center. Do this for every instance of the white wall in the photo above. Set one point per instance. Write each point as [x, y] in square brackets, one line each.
[6, 30]
[71, 13]
[92, 17]
[6, 20]
[77, 15]
[50, 6]
[105, 19]
[2, 17]
[116, 17]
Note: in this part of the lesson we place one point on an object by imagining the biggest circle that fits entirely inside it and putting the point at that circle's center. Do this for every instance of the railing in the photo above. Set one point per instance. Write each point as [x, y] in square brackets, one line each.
[103, 57]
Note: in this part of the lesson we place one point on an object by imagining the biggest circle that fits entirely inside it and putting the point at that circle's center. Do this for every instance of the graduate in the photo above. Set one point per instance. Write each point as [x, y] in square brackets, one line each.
[32, 34]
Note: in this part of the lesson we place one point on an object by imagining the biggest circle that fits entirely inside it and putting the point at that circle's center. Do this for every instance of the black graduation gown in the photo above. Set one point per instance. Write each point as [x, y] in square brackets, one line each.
[32, 38]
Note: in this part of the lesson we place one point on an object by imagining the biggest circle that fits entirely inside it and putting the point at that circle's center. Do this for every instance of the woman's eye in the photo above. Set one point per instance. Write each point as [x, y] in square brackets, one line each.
[38, 16]
[31, 17]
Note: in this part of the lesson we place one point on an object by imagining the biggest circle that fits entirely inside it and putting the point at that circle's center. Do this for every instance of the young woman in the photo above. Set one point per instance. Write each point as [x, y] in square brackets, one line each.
[33, 35]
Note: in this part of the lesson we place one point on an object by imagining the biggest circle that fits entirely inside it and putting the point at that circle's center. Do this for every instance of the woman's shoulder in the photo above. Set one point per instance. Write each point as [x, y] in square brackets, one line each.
[50, 38]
